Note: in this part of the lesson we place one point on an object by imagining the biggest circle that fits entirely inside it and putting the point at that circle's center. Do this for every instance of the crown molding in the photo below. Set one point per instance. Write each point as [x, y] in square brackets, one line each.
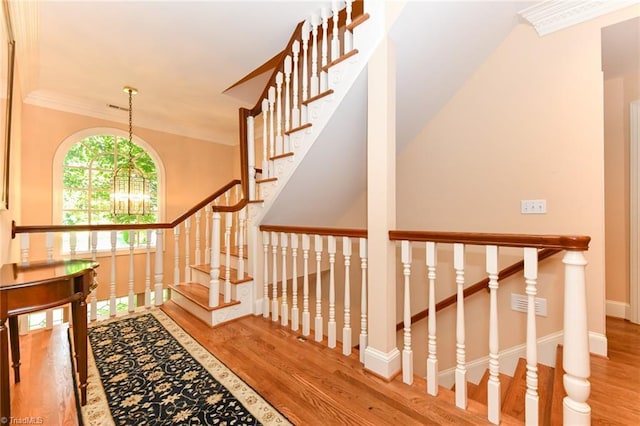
[25, 23]
[554, 15]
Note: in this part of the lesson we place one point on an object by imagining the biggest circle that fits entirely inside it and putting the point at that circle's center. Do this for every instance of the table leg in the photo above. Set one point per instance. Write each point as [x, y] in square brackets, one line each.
[14, 338]
[5, 399]
[81, 348]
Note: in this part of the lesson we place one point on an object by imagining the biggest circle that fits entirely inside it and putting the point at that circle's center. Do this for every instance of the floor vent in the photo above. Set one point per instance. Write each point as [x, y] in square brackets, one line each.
[519, 303]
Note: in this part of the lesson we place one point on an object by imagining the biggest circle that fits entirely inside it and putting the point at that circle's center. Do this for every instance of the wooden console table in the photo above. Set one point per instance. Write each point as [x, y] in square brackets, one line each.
[34, 287]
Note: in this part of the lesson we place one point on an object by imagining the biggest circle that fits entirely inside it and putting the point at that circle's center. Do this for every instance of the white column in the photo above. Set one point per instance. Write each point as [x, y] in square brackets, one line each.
[112, 283]
[494, 399]
[159, 274]
[265, 274]
[187, 250]
[319, 332]
[306, 315]
[295, 311]
[346, 329]
[228, 217]
[530, 279]
[284, 243]
[576, 358]
[214, 283]
[407, 353]
[274, 276]
[381, 355]
[198, 251]
[176, 254]
[432, 359]
[461, 367]
[131, 301]
[331, 324]
[364, 337]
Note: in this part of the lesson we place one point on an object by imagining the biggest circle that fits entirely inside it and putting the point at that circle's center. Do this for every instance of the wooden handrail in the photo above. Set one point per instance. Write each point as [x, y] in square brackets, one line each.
[310, 230]
[562, 242]
[480, 285]
[16, 229]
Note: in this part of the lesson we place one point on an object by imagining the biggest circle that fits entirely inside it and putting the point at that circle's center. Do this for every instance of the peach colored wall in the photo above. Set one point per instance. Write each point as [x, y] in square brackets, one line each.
[528, 124]
[619, 92]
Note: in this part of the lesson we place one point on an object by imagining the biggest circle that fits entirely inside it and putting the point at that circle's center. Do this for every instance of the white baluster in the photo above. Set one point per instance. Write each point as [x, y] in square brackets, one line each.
[407, 353]
[314, 83]
[112, 283]
[295, 112]
[176, 254]
[575, 356]
[284, 243]
[251, 157]
[207, 242]
[295, 313]
[493, 385]
[364, 337]
[530, 279]
[279, 139]
[214, 283]
[432, 359]
[306, 28]
[187, 250]
[331, 325]
[265, 274]
[131, 301]
[346, 329]
[147, 271]
[242, 216]
[272, 133]
[49, 245]
[306, 315]
[348, 36]
[324, 81]
[159, 268]
[93, 315]
[318, 318]
[266, 171]
[335, 41]
[198, 251]
[73, 244]
[227, 262]
[287, 98]
[274, 276]
[461, 368]
[24, 248]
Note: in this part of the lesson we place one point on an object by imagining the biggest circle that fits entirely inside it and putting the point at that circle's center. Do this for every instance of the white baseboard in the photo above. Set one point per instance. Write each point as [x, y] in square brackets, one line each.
[618, 309]
[509, 357]
[385, 365]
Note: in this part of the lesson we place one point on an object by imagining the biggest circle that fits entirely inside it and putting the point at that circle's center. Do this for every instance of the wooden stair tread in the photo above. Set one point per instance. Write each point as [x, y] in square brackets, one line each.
[340, 59]
[233, 278]
[199, 294]
[271, 179]
[480, 393]
[297, 129]
[318, 96]
[285, 155]
[514, 403]
[556, 411]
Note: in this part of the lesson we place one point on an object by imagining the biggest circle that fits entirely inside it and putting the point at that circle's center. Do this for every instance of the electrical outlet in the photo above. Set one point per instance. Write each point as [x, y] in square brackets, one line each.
[533, 206]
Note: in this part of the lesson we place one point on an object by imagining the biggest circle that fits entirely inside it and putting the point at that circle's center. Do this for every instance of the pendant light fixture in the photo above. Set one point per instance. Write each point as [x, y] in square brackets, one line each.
[130, 187]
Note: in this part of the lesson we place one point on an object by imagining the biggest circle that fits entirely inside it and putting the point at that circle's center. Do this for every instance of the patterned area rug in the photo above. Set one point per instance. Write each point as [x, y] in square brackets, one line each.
[145, 369]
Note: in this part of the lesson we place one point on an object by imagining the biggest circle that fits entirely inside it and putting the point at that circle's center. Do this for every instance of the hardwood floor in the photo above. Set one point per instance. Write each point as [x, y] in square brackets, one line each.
[314, 385]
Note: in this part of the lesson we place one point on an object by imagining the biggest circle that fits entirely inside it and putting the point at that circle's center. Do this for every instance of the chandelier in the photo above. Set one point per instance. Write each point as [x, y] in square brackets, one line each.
[130, 187]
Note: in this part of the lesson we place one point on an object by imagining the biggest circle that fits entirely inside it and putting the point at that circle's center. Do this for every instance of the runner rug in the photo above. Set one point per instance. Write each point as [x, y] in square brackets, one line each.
[145, 369]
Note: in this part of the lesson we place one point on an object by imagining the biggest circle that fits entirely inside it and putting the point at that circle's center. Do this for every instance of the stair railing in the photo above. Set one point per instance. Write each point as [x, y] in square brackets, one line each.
[164, 262]
[291, 251]
[576, 352]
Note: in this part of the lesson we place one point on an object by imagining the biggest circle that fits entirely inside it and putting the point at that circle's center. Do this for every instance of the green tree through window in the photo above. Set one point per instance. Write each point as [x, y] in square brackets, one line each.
[87, 184]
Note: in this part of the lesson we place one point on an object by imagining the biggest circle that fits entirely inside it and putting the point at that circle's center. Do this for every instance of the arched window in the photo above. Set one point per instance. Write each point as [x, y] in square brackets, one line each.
[86, 163]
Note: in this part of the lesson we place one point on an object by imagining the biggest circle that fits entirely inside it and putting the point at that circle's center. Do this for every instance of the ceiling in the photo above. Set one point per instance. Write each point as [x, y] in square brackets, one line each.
[182, 55]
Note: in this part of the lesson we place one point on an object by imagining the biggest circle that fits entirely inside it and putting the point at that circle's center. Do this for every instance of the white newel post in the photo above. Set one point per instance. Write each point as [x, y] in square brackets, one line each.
[274, 276]
[187, 250]
[306, 315]
[331, 324]
[407, 353]
[147, 272]
[576, 358]
[159, 274]
[295, 311]
[530, 278]
[493, 385]
[319, 332]
[251, 157]
[346, 329]
[461, 368]
[132, 296]
[176, 254]
[265, 274]
[112, 283]
[364, 338]
[214, 284]
[284, 243]
[228, 217]
[432, 359]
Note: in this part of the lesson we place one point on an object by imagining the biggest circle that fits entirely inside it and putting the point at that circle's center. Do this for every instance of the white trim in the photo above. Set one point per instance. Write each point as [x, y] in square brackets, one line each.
[618, 309]
[634, 216]
[598, 344]
[554, 15]
[385, 365]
